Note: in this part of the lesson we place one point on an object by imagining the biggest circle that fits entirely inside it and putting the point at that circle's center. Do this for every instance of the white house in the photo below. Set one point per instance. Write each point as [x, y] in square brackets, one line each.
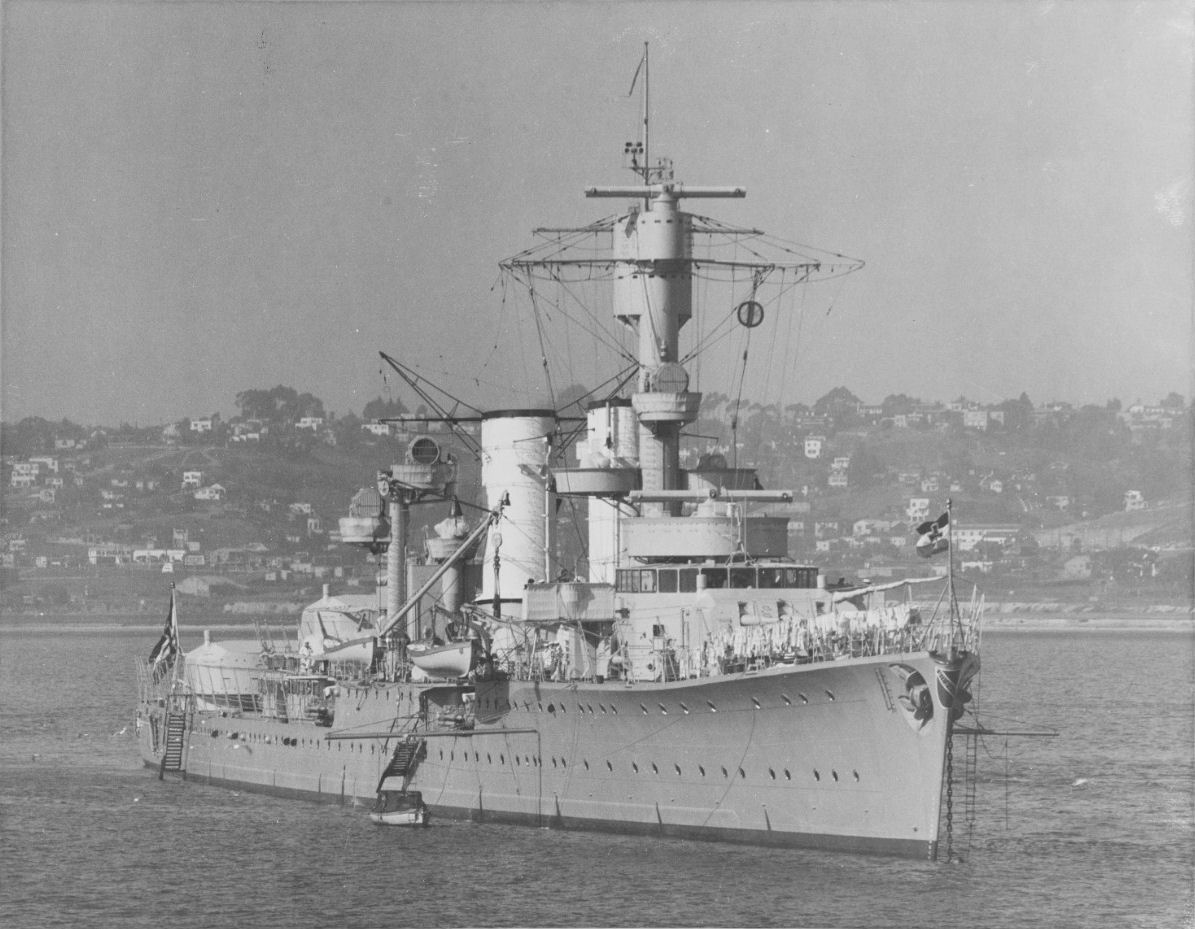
[975, 419]
[192, 480]
[813, 446]
[213, 493]
[917, 509]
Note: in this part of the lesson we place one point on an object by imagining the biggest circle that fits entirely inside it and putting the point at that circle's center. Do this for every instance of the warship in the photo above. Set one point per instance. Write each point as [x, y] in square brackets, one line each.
[685, 678]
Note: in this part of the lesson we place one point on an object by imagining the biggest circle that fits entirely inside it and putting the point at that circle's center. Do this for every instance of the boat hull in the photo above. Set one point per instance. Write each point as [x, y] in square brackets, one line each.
[822, 755]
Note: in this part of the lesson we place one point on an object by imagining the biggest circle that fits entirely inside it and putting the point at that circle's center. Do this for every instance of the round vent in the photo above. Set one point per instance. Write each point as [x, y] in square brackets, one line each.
[423, 451]
[670, 379]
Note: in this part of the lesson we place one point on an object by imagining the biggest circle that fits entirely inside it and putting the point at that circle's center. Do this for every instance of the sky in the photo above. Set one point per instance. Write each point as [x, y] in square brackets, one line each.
[204, 198]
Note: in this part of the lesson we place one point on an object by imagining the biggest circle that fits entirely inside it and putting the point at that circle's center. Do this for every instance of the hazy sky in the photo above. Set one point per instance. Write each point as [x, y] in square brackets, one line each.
[200, 198]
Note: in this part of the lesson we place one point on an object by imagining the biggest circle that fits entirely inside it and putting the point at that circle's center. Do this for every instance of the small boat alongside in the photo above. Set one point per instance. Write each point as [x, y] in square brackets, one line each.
[400, 808]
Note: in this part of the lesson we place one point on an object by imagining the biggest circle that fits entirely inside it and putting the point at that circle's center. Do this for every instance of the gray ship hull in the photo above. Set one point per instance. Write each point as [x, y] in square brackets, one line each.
[824, 755]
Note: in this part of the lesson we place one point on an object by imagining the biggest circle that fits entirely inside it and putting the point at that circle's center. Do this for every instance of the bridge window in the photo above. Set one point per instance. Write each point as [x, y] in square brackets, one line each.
[667, 580]
[741, 578]
[688, 580]
[772, 578]
[714, 577]
[636, 580]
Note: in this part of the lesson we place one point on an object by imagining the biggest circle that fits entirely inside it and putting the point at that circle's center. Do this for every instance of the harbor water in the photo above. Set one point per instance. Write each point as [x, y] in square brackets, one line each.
[1092, 828]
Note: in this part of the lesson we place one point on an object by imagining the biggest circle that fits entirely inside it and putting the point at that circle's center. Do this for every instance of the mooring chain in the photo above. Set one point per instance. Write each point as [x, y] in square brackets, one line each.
[949, 797]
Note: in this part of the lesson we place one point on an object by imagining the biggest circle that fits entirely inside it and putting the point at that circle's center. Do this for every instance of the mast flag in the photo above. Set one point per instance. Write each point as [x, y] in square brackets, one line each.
[930, 540]
[161, 658]
[639, 67]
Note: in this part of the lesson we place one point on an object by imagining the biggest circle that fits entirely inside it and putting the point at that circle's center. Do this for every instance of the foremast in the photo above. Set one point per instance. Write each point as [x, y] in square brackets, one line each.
[653, 292]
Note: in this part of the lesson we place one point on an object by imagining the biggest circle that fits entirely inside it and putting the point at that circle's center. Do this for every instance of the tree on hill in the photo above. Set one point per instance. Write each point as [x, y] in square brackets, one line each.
[34, 435]
[898, 404]
[839, 404]
[383, 409]
[278, 405]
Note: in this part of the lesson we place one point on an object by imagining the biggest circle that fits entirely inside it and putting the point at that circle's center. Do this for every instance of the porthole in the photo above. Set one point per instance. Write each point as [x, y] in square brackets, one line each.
[772, 773]
[816, 775]
[517, 762]
[502, 758]
[586, 763]
[609, 766]
[563, 763]
[441, 754]
[489, 758]
[788, 775]
[635, 767]
[602, 707]
[804, 699]
[830, 694]
[613, 709]
[701, 770]
[551, 707]
[758, 705]
[684, 709]
[787, 699]
[855, 775]
[677, 769]
[710, 704]
[590, 707]
[742, 773]
[553, 762]
[725, 773]
[643, 708]
[541, 707]
[834, 774]
[663, 709]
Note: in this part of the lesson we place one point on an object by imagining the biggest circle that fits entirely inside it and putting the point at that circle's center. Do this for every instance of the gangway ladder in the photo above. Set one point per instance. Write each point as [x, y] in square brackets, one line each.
[970, 786]
[406, 756]
[176, 735]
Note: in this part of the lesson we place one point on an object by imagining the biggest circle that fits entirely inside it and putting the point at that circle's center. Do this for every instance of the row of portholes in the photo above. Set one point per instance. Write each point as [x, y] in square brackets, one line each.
[613, 710]
[561, 763]
[291, 742]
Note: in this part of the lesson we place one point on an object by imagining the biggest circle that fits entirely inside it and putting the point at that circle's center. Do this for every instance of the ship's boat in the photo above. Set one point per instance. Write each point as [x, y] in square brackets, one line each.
[686, 677]
[400, 808]
[453, 659]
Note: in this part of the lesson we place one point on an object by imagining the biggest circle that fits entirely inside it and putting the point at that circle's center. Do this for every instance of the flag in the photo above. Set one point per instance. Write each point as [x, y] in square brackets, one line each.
[930, 540]
[164, 652]
[642, 62]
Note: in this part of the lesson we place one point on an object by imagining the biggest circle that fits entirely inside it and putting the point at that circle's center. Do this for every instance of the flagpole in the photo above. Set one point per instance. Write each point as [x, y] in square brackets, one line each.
[954, 617]
[646, 111]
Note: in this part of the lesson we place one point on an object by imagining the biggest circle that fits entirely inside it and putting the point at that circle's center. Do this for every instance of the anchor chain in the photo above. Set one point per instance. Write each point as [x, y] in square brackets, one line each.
[949, 797]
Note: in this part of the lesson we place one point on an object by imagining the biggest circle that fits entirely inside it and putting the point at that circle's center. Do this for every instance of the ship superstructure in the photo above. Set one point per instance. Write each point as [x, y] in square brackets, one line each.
[689, 679]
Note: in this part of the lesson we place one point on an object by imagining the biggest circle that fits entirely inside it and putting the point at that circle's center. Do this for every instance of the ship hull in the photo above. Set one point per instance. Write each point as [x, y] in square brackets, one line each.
[825, 755]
